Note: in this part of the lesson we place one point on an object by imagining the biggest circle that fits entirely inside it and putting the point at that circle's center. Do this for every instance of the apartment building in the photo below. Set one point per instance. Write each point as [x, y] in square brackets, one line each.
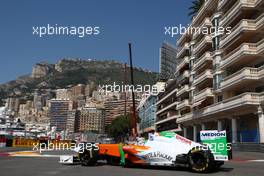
[115, 108]
[147, 110]
[58, 113]
[220, 76]
[166, 113]
[92, 119]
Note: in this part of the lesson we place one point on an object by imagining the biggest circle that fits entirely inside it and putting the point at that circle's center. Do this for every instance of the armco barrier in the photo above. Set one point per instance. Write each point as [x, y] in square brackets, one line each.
[24, 142]
[34, 142]
[2, 142]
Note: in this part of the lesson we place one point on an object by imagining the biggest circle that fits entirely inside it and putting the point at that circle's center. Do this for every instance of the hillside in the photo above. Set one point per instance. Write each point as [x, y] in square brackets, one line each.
[68, 72]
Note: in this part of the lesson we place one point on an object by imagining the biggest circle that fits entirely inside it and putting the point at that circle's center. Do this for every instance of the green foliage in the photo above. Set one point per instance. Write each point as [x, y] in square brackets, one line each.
[119, 128]
[196, 5]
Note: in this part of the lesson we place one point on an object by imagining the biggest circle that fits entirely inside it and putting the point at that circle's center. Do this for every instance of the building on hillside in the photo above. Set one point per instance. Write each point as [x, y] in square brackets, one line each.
[92, 119]
[115, 108]
[58, 113]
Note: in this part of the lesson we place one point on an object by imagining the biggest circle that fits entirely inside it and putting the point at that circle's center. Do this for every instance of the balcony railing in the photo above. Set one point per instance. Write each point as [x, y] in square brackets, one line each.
[242, 75]
[182, 50]
[234, 10]
[182, 62]
[207, 92]
[166, 96]
[185, 117]
[235, 55]
[206, 57]
[207, 74]
[244, 25]
[184, 103]
[207, 39]
[205, 23]
[184, 75]
[183, 89]
[237, 102]
[221, 4]
[167, 107]
[175, 116]
[206, 7]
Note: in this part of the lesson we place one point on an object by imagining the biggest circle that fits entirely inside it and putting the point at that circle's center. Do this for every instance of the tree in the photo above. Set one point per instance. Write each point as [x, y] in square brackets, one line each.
[196, 5]
[119, 128]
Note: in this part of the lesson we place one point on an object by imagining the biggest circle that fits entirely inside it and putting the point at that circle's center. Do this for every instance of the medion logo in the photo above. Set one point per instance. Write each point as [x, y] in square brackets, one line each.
[213, 134]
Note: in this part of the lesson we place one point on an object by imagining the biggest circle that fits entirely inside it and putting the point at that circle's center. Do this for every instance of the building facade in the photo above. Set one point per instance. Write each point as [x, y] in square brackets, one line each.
[58, 113]
[166, 108]
[220, 75]
[147, 114]
[167, 63]
[92, 119]
[118, 107]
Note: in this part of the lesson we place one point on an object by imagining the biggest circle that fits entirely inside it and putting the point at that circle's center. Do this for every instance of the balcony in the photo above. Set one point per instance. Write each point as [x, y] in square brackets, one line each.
[184, 38]
[245, 77]
[233, 104]
[203, 94]
[245, 101]
[222, 3]
[185, 117]
[167, 107]
[235, 10]
[183, 62]
[182, 90]
[247, 52]
[183, 51]
[245, 27]
[207, 57]
[183, 104]
[207, 8]
[207, 74]
[178, 129]
[205, 23]
[175, 116]
[207, 40]
[184, 76]
[166, 96]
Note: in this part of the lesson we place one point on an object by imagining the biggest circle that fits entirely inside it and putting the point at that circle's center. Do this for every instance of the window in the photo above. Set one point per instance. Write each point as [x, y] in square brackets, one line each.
[216, 81]
[219, 98]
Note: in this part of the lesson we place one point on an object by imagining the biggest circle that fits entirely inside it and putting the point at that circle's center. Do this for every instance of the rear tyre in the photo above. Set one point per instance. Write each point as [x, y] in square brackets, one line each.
[200, 160]
[89, 157]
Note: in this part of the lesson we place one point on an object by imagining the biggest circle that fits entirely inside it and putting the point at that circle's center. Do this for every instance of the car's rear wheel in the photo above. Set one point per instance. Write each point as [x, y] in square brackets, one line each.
[200, 160]
[88, 157]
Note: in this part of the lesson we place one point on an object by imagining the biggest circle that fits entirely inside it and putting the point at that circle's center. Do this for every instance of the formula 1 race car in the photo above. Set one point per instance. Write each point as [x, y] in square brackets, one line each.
[161, 149]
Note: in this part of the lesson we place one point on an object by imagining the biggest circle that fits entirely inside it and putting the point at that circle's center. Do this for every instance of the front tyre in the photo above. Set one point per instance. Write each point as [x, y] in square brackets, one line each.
[200, 160]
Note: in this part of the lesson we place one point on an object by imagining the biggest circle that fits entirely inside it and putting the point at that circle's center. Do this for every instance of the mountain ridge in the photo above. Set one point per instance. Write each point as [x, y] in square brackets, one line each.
[69, 72]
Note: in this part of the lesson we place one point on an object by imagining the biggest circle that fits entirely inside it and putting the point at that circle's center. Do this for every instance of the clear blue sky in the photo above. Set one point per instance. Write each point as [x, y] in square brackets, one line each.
[138, 21]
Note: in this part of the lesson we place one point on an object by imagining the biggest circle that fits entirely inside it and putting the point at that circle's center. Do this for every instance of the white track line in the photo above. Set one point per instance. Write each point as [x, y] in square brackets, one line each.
[260, 160]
